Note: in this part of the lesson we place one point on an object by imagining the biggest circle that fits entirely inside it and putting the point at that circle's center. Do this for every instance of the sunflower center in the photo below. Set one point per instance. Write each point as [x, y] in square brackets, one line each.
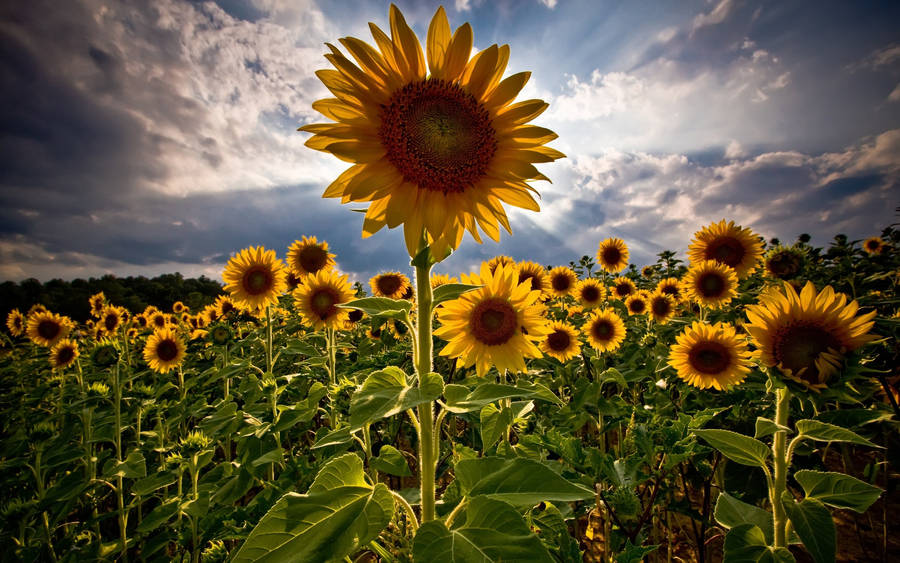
[437, 135]
[48, 330]
[661, 307]
[638, 306]
[784, 265]
[159, 321]
[166, 350]
[389, 284]
[798, 346]
[494, 322]
[602, 330]
[872, 244]
[561, 283]
[313, 258]
[726, 250]
[355, 315]
[623, 290]
[227, 307]
[535, 281]
[611, 255]
[710, 358]
[65, 355]
[711, 284]
[257, 280]
[322, 303]
[559, 340]
[590, 294]
[110, 322]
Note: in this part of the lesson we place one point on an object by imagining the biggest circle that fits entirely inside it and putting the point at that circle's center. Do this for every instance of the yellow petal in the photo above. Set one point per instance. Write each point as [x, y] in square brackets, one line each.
[357, 152]
[519, 113]
[480, 71]
[406, 47]
[438, 42]
[507, 90]
[386, 46]
[336, 188]
[458, 52]
[519, 198]
[337, 110]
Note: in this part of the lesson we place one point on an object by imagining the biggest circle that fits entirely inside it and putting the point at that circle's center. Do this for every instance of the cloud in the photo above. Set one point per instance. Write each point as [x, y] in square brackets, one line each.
[716, 16]
[548, 3]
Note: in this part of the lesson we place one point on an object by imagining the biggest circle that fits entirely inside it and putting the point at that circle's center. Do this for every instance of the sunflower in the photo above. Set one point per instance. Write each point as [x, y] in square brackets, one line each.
[437, 280]
[97, 302]
[46, 328]
[164, 350]
[729, 244]
[318, 297]
[208, 315]
[574, 310]
[159, 320]
[35, 309]
[498, 324]
[604, 330]
[224, 306]
[308, 256]
[353, 318]
[437, 152]
[784, 262]
[178, 307]
[622, 288]
[536, 275]
[110, 319]
[670, 287]
[806, 335]
[374, 333]
[637, 303]
[661, 307]
[710, 283]
[590, 293]
[389, 284]
[873, 245]
[500, 260]
[562, 342]
[255, 278]
[150, 311]
[562, 281]
[141, 321]
[710, 356]
[63, 354]
[612, 255]
[648, 271]
[132, 334]
[397, 329]
[15, 322]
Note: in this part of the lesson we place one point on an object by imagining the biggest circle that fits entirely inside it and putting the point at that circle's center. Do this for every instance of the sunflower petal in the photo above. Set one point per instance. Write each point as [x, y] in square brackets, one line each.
[458, 52]
[438, 41]
[507, 90]
[407, 49]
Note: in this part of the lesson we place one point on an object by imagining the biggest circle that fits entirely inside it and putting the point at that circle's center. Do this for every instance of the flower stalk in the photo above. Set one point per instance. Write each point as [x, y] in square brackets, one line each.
[423, 358]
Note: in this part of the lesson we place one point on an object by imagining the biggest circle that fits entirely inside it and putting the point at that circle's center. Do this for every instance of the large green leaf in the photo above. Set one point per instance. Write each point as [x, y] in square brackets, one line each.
[460, 400]
[767, 426]
[747, 544]
[133, 466]
[824, 432]
[494, 421]
[518, 481]
[731, 513]
[736, 447]
[340, 513]
[391, 461]
[381, 307]
[813, 523]
[387, 392]
[450, 291]
[493, 531]
[838, 490]
[147, 485]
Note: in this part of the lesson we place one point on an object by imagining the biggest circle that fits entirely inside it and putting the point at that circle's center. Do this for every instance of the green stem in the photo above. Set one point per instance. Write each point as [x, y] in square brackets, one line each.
[428, 442]
[782, 406]
[268, 340]
[195, 479]
[120, 498]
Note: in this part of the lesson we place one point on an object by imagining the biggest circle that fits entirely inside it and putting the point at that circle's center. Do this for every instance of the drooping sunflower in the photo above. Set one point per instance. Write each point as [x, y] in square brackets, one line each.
[612, 255]
[15, 322]
[637, 303]
[604, 330]
[164, 350]
[318, 296]
[437, 152]
[710, 356]
[110, 319]
[500, 260]
[46, 328]
[498, 324]
[308, 256]
[784, 262]
[672, 288]
[726, 243]
[437, 280]
[536, 275]
[63, 354]
[710, 284]
[590, 293]
[255, 278]
[392, 285]
[661, 307]
[622, 288]
[562, 343]
[873, 245]
[806, 336]
[562, 281]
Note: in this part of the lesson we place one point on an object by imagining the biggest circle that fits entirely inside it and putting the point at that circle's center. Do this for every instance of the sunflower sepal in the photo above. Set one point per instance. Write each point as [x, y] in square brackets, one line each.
[424, 258]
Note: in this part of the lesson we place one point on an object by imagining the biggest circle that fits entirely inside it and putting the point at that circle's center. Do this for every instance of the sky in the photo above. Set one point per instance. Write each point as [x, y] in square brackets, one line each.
[140, 138]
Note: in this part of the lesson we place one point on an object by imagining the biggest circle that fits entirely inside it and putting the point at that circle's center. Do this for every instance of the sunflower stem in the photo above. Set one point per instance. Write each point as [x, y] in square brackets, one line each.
[428, 444]
[268, 340]
[782, 406]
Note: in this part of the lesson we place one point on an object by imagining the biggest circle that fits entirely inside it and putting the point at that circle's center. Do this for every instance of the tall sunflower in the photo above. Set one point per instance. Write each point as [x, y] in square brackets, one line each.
[111, 318]
[164, 350]
[612, 255]
[806, 335]
[318, 296]
[46, 328]
[498, 324]
[873, 245]
[562, 343]
[97, 301]
[661, 307]
[710, 284]
[622, 288]
[434, 140]
[536, 275]
[255, 278]
[562, 281]
[604, 330]
[637, 303]
[389, 284]
[590, 293]
[15, 322]
[726, 243]
[670, 287]
[308, 256]
[710, 356]
[63, 354]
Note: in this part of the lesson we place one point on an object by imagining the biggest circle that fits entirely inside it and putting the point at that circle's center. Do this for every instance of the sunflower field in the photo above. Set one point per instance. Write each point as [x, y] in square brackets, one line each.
[738, 405]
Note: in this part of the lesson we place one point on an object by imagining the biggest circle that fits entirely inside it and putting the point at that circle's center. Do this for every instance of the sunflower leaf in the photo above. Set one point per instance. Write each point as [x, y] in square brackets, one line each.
[824, 432]
[736, 447]
[838, 490]
[451, 291]
[387, 392]
[380, 307]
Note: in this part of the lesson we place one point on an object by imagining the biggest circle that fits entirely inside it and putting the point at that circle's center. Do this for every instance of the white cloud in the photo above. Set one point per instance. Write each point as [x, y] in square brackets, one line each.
[462, 5]
[894, 96]
[714, 17]
[549, 3]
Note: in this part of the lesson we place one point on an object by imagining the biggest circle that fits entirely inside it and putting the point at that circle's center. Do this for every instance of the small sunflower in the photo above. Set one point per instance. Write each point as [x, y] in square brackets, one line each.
[726, 243]
[784, 262]
[63, 354]
[535, 274]
[110, 319]
[648, 271]
[397, 329]
[437, 280]
[224, 306]
[612, 255]
[15, 322]
[141, 321]
[97, 302]
[806, 336]
[672, 288]
[46, 328]
[318, 297]
[873, 245]
[710, 356]
[208, 315]
[498, 324]
[661, 307]
[710, 284]
[309, 256]
[389, 284]
[178, 308]
[159, 320]
[637, 303]
[562, 342]
[164, 350]
[604, 330]
[354, 316]
[255, 278]
[562, 281]
[574, 310]
[132, 334]
[374, 333]
[590, 293]
[500, 260]
[622, 288]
